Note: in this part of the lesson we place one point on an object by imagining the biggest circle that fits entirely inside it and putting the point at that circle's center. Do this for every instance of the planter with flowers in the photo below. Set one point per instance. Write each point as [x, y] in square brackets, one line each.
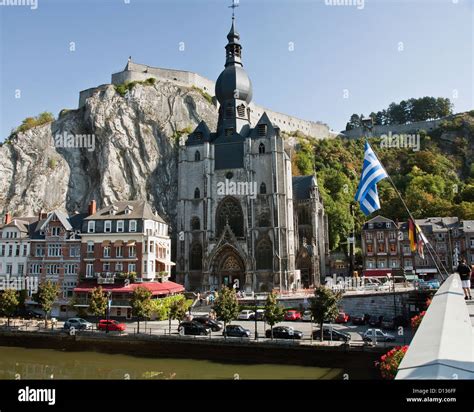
[388, 363]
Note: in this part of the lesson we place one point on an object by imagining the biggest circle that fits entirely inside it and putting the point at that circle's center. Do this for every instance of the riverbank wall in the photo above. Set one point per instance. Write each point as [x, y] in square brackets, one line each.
[354, 362]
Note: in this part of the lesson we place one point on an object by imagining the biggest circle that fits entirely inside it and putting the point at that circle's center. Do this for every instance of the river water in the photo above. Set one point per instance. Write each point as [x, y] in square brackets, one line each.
[21, 363]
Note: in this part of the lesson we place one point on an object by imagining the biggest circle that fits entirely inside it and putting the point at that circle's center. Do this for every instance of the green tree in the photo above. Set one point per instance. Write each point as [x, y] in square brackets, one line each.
[9, 303]
[98, 302]
[226, 306]
[46, 296]
[178, 310]
[324, 306]
[274, 313]
[141, 304]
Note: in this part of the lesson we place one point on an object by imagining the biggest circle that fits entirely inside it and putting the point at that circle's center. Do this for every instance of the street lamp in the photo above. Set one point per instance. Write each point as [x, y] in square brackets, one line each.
[109, 302]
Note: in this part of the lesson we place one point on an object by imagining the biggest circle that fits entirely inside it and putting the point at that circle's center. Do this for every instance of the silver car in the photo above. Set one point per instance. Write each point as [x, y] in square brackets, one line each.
[78, 324]
[379, 335]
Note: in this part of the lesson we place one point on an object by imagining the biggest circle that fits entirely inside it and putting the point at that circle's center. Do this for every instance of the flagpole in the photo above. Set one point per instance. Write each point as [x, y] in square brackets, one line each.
[413, 219]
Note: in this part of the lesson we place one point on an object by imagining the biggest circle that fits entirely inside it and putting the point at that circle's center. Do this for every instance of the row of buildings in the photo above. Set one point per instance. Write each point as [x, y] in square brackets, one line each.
[119, 247]
[386, 247]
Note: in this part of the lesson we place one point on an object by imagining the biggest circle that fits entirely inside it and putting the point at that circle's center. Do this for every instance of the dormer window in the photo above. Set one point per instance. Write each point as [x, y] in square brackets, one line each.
[241, 110]
[261, 148]
[262, 129]
[91, 226]
[198, 135]
[113, 210]
[119, 225]
[108, 226]
[128, 209]
[133, 226]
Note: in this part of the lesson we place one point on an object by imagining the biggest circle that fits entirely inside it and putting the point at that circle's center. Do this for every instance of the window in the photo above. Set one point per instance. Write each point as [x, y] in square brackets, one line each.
[9, 269]
[198, 135]
[393, 235]
[229, 131]
[370, 248]
[369, 236]
[52, 270]
[35, 269]
[197, 156]
[75, 251]
[381, 248]
[262, 129]
[91, 226]
[388, 225]
[132, 251]
[241, 110]
[230, 212]
[196, 257]
[2, 250]
[195, 223]
[229, 111]
[132, 267]
[197, 193]
[10, 250]
[371, 225]
[55, 231]
[379, 235]
[89, 270]
[70, 269]
[90, 247]
[108, 226]
[263, 189]
[118, 251]
[25, 250]
[382, 264]
[106, 251]
[394, 263]
[21, 269]
[106, 267]
[120, 226]
[261, 148]
[393, 248]
[54, 249]
[119, 267]
[264, 255]
[133, 226]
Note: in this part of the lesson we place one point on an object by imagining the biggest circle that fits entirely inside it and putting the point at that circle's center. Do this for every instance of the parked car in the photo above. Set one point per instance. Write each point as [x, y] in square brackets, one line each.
[259, 314]
[246, 315]
[379, 334]
[111, 325]
[193, 328]
[307, 316]
[236, 331]
[77, 323]
[375, 320]
[214, 325]
[292, 315]
[428, 284]
[342, 318]
[336, 334]
[284, 332]
[359, 320]
[28, 314]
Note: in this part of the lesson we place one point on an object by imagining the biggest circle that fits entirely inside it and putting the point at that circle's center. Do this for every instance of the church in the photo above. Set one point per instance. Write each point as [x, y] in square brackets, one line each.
[243, 219]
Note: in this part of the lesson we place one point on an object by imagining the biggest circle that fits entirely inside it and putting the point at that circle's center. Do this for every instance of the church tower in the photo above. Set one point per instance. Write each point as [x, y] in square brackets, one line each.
[233, 90]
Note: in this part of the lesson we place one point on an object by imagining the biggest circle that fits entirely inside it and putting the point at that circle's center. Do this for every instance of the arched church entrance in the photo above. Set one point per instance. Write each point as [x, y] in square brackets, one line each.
[228, 269]
[303, 263]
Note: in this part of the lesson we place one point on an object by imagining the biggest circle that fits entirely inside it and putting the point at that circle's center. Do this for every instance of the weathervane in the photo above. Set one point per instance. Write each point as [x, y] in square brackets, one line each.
[235, 3]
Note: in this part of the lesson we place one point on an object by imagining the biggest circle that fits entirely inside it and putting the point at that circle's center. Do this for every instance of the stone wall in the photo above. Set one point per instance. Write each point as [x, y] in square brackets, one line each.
[140, 72]
[414, 127]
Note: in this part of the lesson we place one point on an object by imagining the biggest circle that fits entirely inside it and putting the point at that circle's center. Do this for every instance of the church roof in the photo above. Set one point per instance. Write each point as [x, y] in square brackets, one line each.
[200, 135]
[137, 209]
[302, 186]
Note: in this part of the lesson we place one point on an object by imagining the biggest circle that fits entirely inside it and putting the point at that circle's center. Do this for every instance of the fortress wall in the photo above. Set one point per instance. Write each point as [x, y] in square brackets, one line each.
[414, 127]
[140, 72]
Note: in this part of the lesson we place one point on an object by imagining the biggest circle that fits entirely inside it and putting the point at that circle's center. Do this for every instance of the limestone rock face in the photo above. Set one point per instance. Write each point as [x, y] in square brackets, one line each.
[130, 152]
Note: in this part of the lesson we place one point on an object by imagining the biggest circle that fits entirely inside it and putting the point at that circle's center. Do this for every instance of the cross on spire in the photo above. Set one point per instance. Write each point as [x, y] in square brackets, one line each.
[235, 3]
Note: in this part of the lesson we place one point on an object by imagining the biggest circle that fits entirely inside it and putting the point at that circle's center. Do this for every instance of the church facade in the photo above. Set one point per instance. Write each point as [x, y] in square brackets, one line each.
[243, 219]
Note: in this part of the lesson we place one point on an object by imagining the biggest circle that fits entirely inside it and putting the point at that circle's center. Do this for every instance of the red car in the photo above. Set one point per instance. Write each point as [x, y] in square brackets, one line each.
[342, 318]
[292, 315]
[111, 325]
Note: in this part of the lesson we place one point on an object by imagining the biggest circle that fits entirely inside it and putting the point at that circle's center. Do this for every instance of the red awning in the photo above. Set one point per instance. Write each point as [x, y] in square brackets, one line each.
[156, 288]
[377, 272]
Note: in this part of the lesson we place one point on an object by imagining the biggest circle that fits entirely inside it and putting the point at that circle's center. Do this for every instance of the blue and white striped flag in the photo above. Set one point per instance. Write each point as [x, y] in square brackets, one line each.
[372, 173]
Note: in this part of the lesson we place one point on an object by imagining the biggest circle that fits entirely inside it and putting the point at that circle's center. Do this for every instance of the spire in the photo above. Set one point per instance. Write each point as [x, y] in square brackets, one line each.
[233, 48]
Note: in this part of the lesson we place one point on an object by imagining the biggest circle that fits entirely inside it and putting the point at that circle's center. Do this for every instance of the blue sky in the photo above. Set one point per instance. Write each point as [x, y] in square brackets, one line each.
[336, 48]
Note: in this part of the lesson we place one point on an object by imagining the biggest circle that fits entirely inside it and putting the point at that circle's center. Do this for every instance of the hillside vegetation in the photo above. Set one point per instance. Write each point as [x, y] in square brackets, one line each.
[437, 180]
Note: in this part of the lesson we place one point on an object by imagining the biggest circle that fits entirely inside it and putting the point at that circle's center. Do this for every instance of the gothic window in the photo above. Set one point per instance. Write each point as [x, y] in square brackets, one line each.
[262, 129]
[197, 193]
[264, 255]
[230, 212]
[195, 223]
[197, 156]
[195, 259]
[263, 220]
[263, 189]
[303, 217]
[241, 110]
[261, 148]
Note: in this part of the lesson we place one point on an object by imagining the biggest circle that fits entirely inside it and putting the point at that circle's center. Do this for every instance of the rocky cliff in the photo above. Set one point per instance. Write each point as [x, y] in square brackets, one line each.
[133, 154]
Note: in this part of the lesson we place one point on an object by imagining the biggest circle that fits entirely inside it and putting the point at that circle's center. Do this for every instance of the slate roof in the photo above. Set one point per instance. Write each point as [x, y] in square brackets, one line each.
[302, 186]
[140, 210]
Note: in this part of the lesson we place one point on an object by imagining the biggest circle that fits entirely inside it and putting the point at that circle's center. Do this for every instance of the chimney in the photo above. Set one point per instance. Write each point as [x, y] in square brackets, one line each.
[92, 207]
[8, 218]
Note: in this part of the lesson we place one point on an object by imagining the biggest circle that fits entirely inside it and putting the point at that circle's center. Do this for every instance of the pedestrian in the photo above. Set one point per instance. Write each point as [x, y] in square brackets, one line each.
[465, 274]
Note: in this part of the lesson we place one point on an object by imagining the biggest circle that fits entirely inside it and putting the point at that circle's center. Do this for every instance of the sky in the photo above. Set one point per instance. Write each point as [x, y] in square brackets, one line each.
[313, 59]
